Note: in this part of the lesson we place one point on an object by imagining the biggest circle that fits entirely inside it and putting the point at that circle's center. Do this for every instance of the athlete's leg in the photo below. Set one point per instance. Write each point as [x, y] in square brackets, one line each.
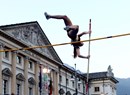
[67, 21]
[71, 29]
[81, 56]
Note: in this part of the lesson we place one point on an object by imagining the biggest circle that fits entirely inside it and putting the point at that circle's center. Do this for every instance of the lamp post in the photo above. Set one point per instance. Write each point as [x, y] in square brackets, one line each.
[76, 90]
[76, 80]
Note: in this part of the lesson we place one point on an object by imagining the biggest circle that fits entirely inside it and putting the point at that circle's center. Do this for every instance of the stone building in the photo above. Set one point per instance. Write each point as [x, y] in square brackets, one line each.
[39, 71]
[102, 83]
[20, 69]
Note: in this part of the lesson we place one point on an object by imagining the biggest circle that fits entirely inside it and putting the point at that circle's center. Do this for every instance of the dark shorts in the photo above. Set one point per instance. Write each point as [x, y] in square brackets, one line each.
[75, 46]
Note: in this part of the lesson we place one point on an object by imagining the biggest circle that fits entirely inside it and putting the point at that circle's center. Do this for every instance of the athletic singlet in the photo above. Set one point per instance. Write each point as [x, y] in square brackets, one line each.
[74, 38]
[72, 34]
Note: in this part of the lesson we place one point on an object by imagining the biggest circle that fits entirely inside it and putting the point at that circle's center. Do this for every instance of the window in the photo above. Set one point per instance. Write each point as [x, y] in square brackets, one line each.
[19, 59]
[6, 55]
[73, 84]
[79, 86]
[60, 78]
[112, 89]
[96, 89]
[18, 89]
[30, 65]
[30, 91]
[67, 82]
[5, 86]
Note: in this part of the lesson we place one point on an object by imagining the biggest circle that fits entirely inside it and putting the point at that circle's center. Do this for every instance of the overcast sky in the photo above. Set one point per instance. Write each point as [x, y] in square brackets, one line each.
[109, 17]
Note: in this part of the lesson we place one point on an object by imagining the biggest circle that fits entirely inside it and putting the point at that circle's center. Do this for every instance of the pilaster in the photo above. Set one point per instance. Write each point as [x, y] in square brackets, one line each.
[36, 78]
[1, 47]
[56, 80]
[55, 84]
[26, 75]
[13, 69]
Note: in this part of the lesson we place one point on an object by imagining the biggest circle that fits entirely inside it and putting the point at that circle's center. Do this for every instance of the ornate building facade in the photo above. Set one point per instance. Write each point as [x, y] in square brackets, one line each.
[35, 71]
[20, 69]
[102, 83]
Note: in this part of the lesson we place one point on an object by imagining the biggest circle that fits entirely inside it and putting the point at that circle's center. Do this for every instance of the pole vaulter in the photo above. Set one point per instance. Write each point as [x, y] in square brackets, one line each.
[72, 32]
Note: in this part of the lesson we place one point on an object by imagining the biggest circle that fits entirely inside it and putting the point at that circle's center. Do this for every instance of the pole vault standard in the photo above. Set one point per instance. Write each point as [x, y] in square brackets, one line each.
[87, 84]
[33, 47]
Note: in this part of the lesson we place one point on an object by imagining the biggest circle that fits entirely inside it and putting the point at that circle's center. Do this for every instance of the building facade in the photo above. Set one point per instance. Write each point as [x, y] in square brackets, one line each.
[71, 81]
[20, 69]
[28, 68]
[102, 83]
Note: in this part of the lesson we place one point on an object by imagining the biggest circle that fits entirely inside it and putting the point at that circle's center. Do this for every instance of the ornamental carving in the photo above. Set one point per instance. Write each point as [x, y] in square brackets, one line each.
[32, 36]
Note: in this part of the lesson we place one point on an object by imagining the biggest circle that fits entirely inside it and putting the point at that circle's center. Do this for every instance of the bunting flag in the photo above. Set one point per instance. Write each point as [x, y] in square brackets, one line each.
[40, 78]
[50, 88]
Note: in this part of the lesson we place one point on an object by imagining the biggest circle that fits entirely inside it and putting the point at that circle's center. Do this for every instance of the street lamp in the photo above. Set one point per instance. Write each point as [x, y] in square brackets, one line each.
[74, 78]
[46, 70]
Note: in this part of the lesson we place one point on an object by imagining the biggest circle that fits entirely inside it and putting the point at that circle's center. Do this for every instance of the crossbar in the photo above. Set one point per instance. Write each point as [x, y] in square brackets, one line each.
[94, 39]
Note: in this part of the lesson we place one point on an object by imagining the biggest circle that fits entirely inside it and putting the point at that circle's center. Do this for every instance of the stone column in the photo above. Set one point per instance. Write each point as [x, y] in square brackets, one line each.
[1, 47]
[13, 69]
[56, 80]
[55, 87]
[26, 75]
[36, 78]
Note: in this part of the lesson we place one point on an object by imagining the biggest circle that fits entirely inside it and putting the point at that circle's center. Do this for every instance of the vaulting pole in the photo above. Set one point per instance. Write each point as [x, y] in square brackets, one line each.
[50, 45]
[87, 84]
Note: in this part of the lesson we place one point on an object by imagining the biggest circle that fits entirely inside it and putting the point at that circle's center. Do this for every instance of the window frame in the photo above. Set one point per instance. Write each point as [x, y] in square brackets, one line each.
[5, 86]
[60, 78]
[30, 91]
[6, 55]
[79, 86]
[19, 59]
[19, 88]
[67, 81]
[30, 65]
[97, 89]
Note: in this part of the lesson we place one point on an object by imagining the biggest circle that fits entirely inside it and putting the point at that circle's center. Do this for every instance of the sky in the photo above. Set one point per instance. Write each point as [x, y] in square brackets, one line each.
[109, 17]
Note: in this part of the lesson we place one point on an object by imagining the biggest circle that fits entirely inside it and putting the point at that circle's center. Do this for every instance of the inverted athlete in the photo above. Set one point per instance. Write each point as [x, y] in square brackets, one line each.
[72, 32]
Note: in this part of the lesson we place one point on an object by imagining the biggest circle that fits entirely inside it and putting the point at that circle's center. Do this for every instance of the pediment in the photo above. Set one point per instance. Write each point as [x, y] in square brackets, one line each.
[61, 91]
[32, 35]
[68, 93]
[20, 76]
[32, 81]
[7, 72]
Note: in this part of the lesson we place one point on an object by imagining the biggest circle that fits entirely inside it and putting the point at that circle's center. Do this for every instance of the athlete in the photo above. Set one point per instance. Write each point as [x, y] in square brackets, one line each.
[72, 32]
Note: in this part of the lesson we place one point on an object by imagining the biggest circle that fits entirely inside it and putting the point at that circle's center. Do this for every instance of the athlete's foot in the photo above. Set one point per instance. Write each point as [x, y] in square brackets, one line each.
[46, 15]
[67, 28]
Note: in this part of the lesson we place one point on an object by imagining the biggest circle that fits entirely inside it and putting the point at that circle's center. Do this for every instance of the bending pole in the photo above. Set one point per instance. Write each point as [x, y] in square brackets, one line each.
[33, 47]
[87, 84]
